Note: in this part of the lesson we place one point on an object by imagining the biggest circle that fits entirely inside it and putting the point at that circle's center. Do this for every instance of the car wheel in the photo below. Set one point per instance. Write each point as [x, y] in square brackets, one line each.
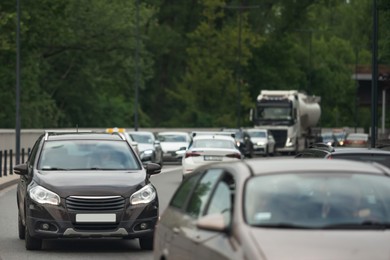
[146, 243]
[21, 228]
[32, 243]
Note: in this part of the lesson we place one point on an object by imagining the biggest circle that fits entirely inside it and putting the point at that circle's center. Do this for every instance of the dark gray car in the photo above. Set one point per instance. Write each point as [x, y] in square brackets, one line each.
[85, 185]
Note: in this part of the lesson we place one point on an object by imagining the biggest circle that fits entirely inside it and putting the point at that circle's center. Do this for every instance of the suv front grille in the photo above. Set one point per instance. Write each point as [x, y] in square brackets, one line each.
[93, 203]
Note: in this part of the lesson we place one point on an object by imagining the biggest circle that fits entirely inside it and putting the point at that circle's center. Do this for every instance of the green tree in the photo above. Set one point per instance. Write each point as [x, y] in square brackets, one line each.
[207, 94]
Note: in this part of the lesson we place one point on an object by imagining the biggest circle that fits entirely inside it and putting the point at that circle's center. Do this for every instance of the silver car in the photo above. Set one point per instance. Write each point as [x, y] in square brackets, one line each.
[263, 141]
[278, 209]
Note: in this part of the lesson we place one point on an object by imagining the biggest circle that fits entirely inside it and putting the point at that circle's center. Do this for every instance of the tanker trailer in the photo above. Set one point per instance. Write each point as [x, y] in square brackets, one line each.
[291, 116]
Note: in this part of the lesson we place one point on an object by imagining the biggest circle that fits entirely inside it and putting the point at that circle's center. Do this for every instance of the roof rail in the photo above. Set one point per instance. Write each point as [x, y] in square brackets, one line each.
[56, 131]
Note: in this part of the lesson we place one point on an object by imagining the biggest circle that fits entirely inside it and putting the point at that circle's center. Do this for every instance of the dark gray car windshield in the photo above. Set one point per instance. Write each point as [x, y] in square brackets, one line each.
[317, 200]
[87, 155]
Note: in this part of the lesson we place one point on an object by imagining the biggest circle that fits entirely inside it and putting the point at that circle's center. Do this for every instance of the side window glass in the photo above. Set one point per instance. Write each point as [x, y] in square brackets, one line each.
[34, 150]
[202, 192]
[221, 201]
[181, 195]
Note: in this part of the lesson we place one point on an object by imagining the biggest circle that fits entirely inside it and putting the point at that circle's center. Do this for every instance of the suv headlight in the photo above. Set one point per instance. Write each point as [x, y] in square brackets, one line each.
[144, 195]
[44, 196]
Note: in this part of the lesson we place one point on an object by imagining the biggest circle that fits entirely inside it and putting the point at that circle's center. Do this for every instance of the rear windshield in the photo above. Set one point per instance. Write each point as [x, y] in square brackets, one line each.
[213, 143]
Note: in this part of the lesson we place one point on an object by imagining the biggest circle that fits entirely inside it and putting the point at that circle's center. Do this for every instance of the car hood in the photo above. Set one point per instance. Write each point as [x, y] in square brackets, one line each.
[144, 146]
[92, 183]
[171, 146]
[322, 244]
[258, 139]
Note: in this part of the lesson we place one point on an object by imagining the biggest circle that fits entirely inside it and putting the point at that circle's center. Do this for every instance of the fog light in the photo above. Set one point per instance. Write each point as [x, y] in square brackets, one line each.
[45, 226]
[143, 226]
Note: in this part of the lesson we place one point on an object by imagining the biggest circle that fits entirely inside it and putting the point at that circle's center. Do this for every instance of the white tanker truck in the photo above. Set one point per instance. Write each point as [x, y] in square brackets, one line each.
[290, 115]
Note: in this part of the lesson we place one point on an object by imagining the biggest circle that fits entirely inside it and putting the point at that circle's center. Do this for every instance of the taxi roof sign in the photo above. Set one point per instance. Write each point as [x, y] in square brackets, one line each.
[115, 130]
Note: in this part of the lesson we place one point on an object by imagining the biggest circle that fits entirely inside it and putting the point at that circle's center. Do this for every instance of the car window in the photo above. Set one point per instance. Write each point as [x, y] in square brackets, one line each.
[172, 138]
[142, 138]
[257, 134]
[222, 199]
[213, 143]
[202, 192]
[180, 197]
[34, 150]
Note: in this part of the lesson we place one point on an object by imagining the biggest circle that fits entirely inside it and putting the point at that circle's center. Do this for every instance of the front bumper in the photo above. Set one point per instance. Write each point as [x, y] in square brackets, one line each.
[134, 221]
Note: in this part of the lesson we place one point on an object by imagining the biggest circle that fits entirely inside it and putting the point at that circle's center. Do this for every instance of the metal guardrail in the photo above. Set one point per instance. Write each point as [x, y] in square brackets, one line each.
[7, 159]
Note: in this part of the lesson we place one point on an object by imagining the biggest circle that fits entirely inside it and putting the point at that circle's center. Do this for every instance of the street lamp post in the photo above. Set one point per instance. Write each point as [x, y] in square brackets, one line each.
[240, 8]
[17, 112]
[374, 76]
[136, 68]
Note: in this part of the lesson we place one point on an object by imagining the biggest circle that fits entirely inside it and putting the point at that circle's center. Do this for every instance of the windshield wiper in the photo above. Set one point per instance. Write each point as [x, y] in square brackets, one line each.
[368, 224]
[283, 226]
[53, 169]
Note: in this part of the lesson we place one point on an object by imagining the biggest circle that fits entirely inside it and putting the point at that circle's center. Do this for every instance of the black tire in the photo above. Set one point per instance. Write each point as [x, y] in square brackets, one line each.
[266, 152]
[32, 243]
[146, 243]
[21, 228]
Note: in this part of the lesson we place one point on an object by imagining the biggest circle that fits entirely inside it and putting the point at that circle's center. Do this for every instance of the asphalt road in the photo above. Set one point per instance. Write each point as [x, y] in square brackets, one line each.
[11, 247]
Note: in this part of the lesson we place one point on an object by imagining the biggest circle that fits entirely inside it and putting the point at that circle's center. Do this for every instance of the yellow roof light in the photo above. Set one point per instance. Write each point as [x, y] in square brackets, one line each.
[115, 130]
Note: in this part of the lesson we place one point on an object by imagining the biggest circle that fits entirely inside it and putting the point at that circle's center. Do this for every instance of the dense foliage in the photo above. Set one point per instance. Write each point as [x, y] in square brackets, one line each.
[201, 62]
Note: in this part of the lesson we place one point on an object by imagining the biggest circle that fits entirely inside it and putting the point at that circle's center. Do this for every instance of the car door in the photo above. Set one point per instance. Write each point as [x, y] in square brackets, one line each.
[26, 179]
[213, 244]
[184, 229]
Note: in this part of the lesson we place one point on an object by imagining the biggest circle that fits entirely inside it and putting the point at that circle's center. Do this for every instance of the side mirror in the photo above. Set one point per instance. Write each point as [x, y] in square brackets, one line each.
[152, 168]
[21, 169]
[212, 222]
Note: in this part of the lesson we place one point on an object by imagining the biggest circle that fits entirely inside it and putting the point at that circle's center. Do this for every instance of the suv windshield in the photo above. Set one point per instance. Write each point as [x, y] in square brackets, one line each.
[87, 155]
[325, 200]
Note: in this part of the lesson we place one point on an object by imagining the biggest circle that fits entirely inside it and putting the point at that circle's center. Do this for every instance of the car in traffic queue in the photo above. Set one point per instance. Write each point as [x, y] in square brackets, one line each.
[133, 143]
[321, 150]
[340, 135]
[243, 141]
[330, 139]
[279, 208]
[149, 147]
[263, 141]
[173, 145]
[356, 140]
[209, 148]
[85, 185]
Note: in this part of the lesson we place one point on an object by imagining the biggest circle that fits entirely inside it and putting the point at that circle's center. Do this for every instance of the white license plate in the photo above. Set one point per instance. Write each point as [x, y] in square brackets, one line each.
[84, 218]
[212, 158]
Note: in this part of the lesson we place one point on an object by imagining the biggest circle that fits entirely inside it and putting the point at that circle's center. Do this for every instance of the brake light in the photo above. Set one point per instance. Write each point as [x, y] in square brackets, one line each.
[234, 155]
[192, 154]
[330, 157]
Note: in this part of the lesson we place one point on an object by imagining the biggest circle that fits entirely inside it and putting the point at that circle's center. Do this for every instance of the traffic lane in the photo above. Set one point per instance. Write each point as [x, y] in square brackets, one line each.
[11, 247]
[166, 183]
